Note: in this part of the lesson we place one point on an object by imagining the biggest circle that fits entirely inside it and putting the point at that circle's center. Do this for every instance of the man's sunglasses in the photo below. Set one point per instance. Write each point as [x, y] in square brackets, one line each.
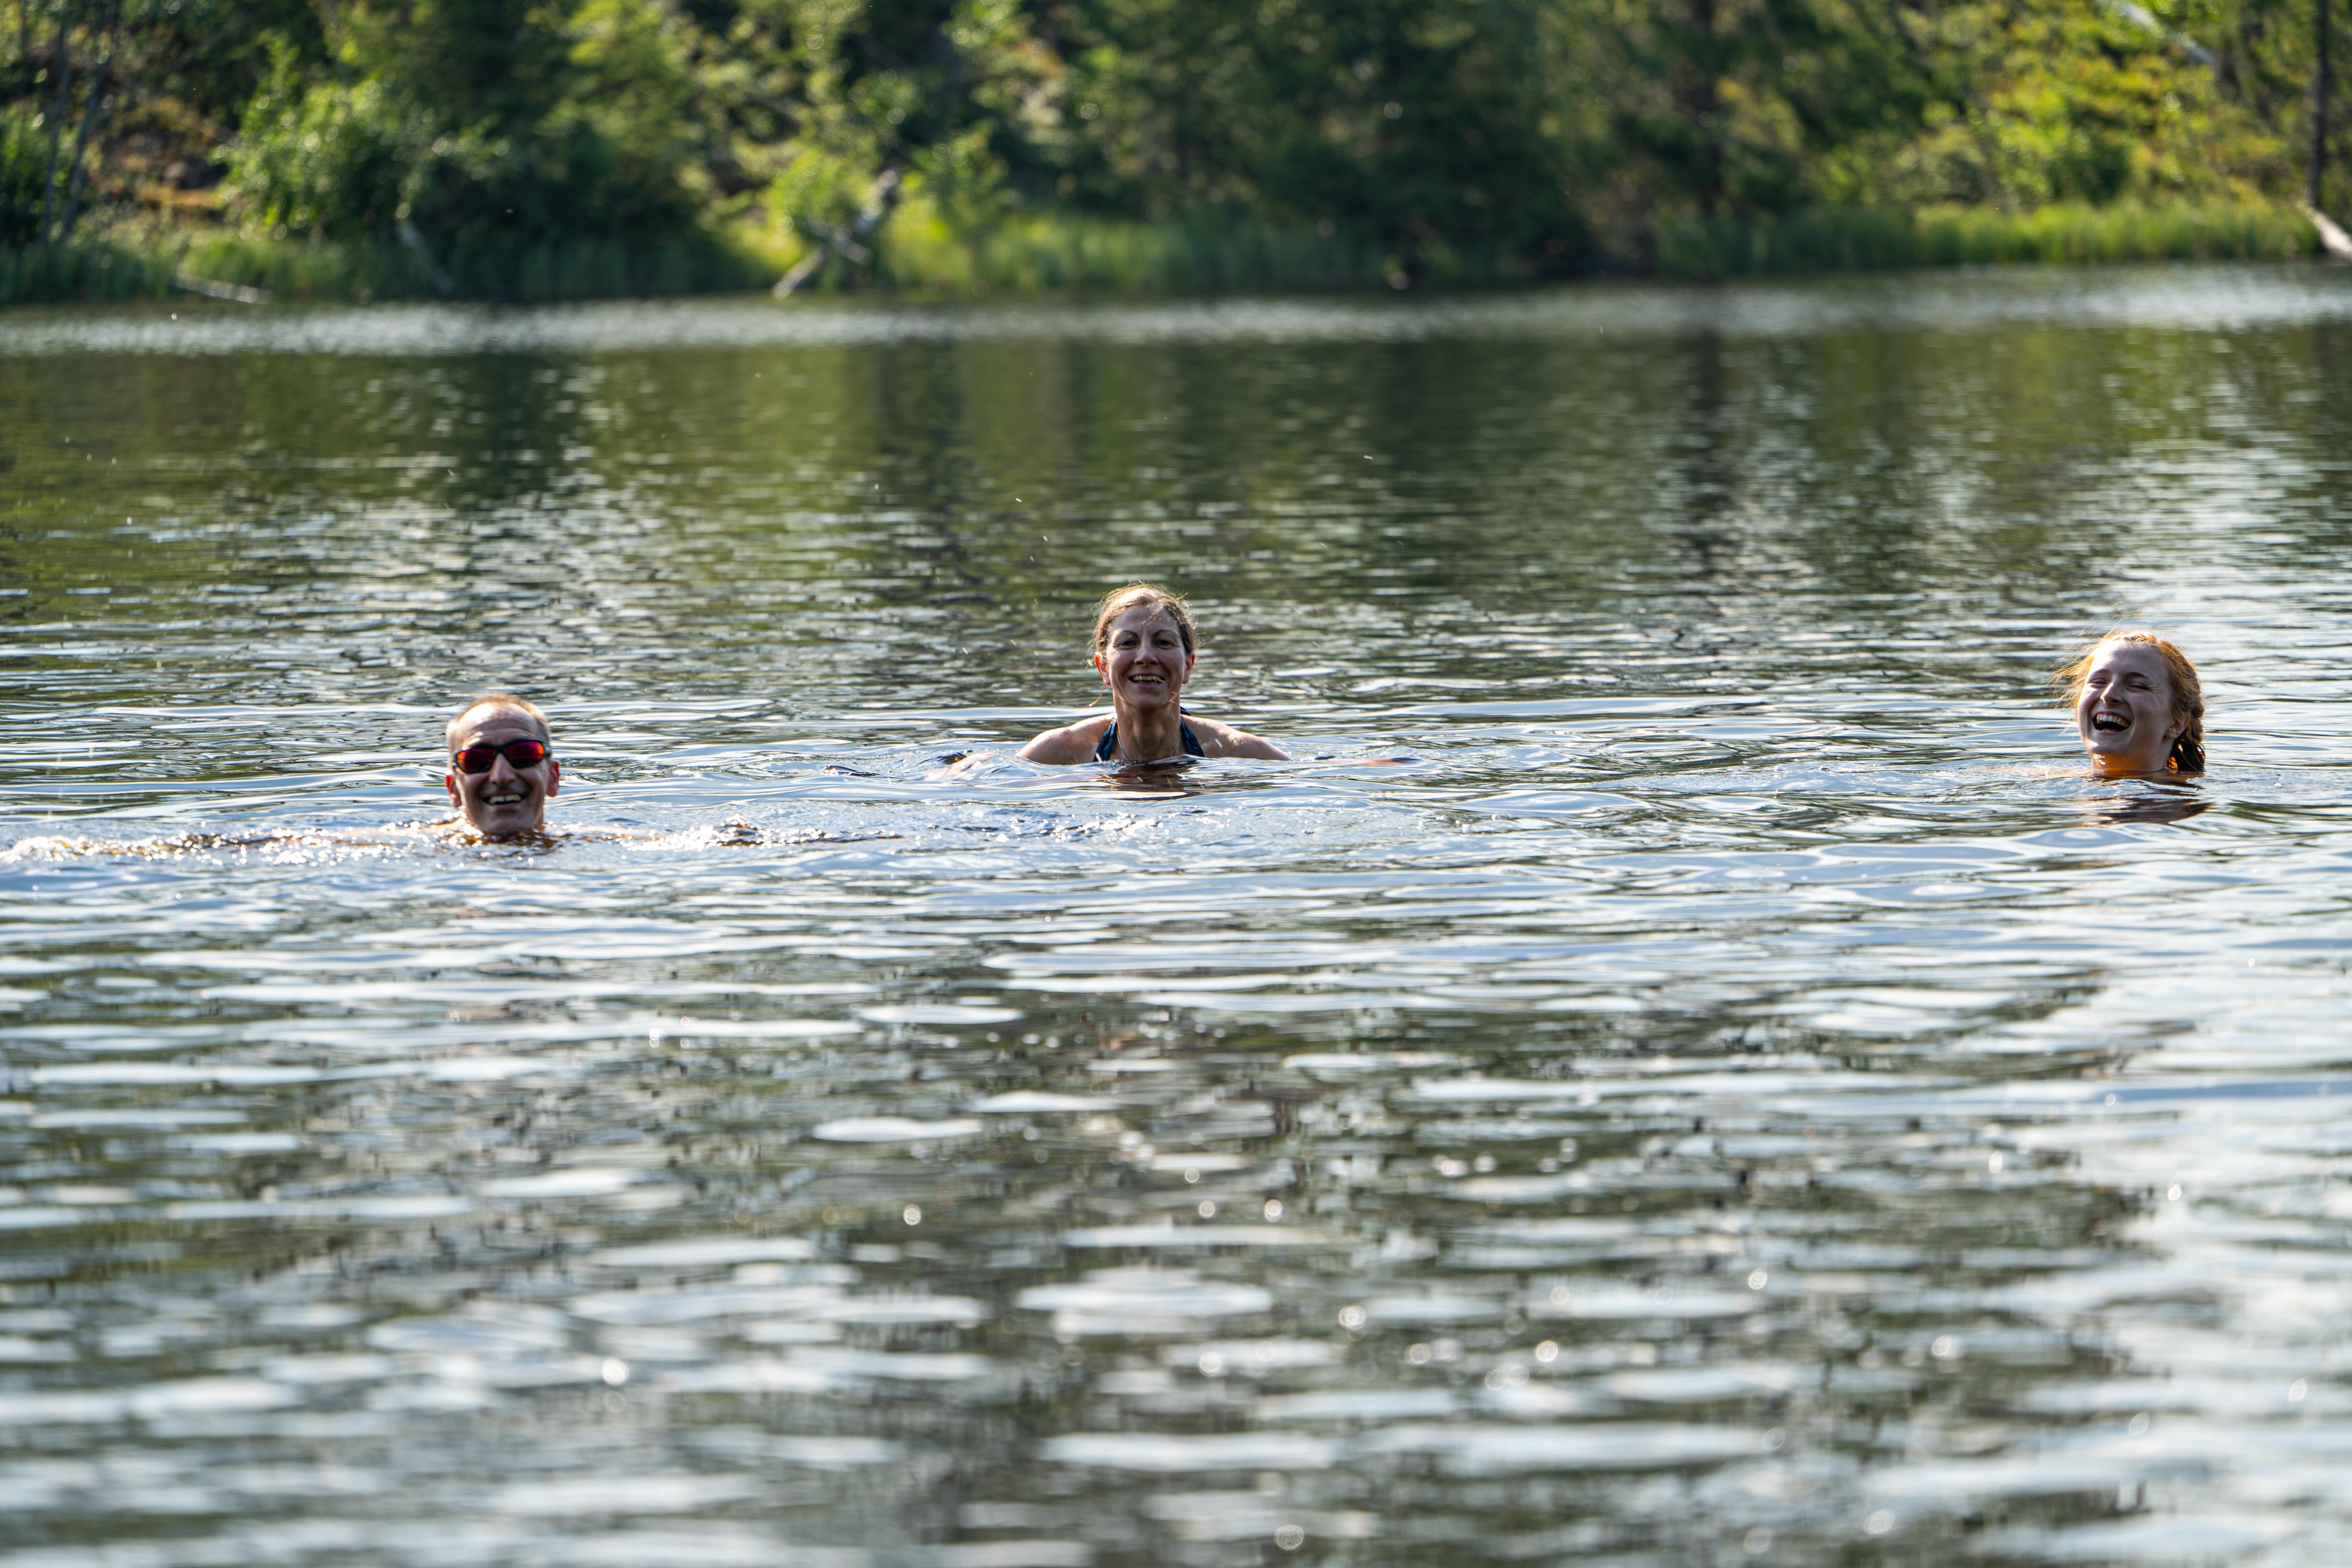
[481, 759]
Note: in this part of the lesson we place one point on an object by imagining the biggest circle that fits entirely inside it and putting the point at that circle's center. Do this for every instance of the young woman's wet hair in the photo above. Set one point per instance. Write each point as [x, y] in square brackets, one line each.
[1118, 601]
[2187, 753]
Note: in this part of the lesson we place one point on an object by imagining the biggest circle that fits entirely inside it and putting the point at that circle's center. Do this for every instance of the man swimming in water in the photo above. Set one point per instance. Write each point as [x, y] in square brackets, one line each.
[502, 767]
[502, 773]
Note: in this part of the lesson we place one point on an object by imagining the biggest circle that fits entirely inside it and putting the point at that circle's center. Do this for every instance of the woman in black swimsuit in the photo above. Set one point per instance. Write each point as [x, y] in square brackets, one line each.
[1144, 647]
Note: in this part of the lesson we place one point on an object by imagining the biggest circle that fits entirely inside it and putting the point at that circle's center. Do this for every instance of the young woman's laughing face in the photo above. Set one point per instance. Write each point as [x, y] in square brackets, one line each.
[2124, 711]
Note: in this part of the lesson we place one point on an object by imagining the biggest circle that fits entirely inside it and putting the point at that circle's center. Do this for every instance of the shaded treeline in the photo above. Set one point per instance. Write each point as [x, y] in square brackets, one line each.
[473, 145]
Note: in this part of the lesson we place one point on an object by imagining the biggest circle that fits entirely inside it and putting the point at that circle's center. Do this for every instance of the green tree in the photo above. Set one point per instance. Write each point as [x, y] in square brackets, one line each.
[479, 122]
[1451, 136]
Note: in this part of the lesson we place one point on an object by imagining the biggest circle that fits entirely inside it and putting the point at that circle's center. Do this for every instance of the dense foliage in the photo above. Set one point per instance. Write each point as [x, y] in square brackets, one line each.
[1525, 136]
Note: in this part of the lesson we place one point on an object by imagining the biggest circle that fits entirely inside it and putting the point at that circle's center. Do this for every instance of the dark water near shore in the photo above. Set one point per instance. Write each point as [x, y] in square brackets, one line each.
[1683, 1071]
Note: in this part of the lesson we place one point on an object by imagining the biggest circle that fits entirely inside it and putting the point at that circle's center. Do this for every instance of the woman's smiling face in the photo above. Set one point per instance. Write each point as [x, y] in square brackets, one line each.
[2124, 710]
[1143, 658]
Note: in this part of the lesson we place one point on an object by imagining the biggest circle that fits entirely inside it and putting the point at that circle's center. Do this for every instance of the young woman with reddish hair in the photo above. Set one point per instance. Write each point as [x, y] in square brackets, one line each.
[2138, 705]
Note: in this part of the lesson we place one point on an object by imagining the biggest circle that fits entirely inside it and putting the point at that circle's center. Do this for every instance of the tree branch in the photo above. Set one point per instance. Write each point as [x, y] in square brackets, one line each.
[97, 91]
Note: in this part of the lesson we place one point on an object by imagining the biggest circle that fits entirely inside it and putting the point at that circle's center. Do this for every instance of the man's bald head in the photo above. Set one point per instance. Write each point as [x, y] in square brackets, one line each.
[522, 706]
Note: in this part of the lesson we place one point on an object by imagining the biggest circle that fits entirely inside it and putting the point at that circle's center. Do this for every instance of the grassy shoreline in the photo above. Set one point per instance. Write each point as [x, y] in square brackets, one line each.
[1051, 254]
[159, 268]
[1847, 240]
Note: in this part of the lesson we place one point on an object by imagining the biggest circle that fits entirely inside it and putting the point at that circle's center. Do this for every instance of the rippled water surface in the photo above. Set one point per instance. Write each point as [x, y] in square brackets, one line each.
[1683, 1069]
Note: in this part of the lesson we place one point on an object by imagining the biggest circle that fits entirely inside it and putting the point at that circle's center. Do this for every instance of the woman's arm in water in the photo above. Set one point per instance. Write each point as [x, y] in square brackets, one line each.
[1065, 747]
[1224, 741]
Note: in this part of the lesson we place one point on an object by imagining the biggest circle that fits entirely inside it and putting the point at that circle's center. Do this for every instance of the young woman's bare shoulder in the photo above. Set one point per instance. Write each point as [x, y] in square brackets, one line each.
[1228, 740]
[1071, 743]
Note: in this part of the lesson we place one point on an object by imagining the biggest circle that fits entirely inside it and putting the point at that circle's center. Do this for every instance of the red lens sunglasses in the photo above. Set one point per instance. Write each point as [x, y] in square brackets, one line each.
[481, 759]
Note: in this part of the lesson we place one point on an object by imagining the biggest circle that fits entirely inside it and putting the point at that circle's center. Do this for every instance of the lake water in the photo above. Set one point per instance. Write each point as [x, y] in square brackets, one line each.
[1683, 1069]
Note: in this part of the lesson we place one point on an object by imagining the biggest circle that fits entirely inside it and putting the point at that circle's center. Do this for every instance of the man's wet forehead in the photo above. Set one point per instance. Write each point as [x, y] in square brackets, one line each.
[485, 720]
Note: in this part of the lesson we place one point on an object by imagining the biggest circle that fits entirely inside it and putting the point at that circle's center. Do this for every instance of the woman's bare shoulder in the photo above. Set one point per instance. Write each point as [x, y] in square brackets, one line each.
[1222, 740]
[1071, 743]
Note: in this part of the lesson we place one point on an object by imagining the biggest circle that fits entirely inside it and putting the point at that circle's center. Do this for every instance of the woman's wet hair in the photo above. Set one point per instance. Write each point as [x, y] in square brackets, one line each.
[1118, 601]
[2188, 755]
[506, 700]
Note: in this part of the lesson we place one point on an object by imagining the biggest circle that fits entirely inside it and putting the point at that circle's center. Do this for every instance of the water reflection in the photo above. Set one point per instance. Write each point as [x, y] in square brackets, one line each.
[2177, 804]
[1155, 781]
[1666, 1082]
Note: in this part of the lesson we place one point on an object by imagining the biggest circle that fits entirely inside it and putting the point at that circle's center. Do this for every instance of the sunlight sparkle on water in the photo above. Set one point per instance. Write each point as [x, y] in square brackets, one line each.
[1682, 1069]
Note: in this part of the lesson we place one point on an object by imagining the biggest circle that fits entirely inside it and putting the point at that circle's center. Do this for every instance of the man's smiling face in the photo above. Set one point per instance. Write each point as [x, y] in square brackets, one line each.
[503, 801]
